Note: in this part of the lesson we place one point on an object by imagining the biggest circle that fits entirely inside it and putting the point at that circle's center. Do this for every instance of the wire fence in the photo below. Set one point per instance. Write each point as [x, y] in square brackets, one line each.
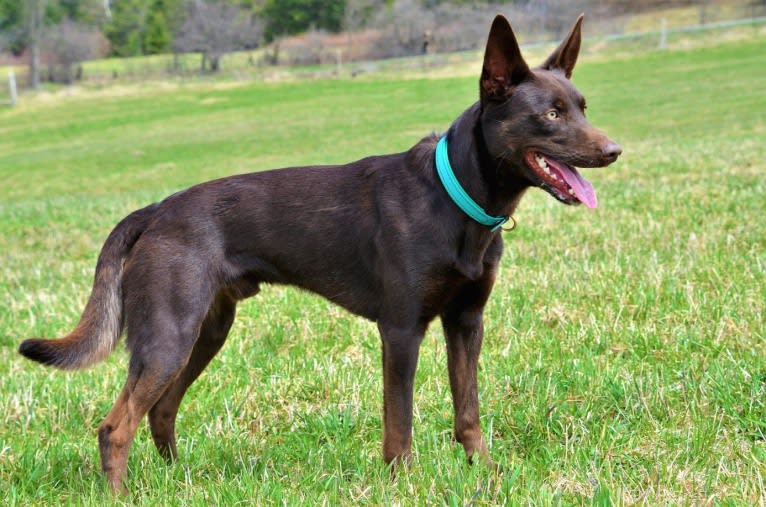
[756, 21]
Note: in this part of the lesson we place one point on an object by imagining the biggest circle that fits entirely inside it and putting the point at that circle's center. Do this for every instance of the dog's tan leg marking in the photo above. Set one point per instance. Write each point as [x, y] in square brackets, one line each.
[143, 388]
[118, 429]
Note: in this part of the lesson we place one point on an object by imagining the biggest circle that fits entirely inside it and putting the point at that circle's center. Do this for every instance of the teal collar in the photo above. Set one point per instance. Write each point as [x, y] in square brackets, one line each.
[458, 193]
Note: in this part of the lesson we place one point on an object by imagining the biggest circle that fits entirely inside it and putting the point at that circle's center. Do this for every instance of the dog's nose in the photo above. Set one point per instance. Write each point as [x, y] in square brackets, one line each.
[611, 151]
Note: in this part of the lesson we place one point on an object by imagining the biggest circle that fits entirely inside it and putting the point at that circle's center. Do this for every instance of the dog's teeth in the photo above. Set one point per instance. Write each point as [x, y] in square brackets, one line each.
[544, 165]
[571, 191]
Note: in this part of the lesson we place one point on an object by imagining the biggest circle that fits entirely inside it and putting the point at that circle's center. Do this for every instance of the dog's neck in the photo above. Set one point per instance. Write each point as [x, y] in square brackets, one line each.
[498, 189]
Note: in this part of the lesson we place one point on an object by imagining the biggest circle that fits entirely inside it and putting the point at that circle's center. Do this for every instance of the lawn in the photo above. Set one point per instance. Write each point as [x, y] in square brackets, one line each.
[624, 355]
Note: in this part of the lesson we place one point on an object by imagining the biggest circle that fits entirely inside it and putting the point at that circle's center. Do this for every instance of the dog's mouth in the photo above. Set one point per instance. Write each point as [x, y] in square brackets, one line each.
[561, 180]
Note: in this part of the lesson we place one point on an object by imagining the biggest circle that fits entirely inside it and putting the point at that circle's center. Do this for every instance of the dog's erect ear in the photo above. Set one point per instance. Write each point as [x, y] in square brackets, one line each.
[565, 56]
[504, 67]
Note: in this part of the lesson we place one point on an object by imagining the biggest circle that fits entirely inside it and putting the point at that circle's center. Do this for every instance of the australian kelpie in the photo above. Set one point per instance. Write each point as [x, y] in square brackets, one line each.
[398, 239]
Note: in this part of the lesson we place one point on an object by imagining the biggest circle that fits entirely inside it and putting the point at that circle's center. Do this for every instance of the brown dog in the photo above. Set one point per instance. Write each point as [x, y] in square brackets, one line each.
[398, 239]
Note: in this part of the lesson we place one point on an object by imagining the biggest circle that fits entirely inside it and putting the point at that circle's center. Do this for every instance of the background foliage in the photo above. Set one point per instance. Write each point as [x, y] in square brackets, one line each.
[136, 27]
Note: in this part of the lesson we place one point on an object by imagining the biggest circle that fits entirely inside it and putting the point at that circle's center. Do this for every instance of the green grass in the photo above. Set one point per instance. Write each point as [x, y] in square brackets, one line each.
[624, 356]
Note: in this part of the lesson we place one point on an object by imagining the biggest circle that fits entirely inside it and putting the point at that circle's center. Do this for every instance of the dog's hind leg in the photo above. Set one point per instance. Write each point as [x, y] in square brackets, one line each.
[147, 380]
[162, 416]
[164, 322]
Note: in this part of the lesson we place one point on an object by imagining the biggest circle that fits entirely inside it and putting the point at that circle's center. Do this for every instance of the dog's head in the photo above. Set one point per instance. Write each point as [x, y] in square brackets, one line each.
[533, 119]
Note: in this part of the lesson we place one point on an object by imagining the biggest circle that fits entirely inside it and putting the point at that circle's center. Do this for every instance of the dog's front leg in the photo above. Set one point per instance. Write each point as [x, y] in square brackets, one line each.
[464, 331]
[400, 358]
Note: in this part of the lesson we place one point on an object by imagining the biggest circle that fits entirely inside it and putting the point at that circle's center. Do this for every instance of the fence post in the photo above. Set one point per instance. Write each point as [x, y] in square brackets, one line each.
[663, 33]
[12, 87]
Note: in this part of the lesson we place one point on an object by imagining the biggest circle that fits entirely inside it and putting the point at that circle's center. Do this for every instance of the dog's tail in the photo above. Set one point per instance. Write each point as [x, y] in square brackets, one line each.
[102, 320]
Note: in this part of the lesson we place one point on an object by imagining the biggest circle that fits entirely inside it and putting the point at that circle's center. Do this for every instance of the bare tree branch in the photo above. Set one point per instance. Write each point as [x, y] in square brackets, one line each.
[69, 44]
[215, 29]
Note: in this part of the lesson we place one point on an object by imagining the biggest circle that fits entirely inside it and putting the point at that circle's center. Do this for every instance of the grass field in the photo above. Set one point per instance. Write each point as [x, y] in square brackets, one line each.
[624, 356]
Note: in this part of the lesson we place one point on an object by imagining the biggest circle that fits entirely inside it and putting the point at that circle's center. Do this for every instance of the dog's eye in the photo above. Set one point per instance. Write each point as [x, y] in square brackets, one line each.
[552, 114]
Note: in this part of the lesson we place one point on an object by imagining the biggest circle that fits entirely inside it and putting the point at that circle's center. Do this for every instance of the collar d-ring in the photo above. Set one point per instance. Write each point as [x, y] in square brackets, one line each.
[513, 224]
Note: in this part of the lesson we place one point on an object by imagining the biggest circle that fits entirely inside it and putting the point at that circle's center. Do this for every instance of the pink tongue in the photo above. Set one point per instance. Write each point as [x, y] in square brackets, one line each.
[581, 187]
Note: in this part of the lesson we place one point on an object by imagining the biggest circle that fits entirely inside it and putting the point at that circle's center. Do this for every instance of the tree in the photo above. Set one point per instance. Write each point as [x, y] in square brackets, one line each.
[215, 29]
[287, 17]
[406, 27]
[34, 19]
[165, 18]
[126, 28]
[141, 27]
[11, 24]
[157, 36]
[70, 43]
[356, 15]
